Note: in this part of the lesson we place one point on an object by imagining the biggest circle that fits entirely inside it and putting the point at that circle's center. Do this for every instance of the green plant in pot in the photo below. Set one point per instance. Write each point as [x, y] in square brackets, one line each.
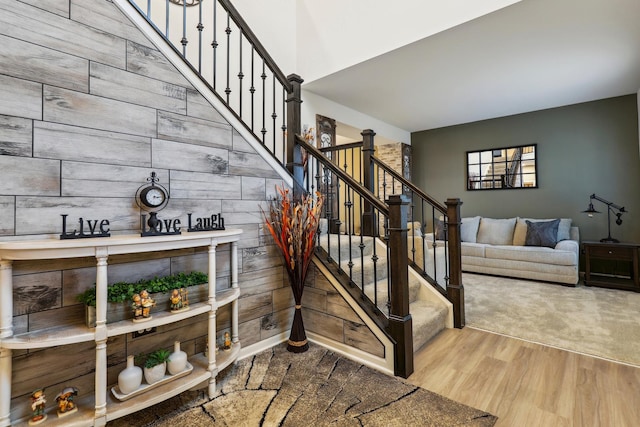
[155, 365]
[88, 298]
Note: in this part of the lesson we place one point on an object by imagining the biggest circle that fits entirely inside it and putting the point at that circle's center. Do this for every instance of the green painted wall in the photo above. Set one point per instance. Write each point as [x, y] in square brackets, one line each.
[582, 149]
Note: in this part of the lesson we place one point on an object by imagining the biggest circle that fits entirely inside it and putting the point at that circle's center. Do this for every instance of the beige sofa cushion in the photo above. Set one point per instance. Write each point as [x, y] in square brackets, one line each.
[496, 231]
[472, 249]
[520, 232]
[469, 229]
[537, 254]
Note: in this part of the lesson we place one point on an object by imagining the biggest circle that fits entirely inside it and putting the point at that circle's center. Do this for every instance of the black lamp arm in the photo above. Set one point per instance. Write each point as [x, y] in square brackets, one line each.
[608, 203]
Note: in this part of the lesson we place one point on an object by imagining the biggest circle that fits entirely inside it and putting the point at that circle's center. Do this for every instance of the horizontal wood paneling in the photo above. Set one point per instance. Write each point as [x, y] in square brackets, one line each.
[276, 323]
[59, 7]
[150, 62]
[16, 136]
[254, 306]
[7, 217]
[37, 292]
[42, 215]
[40, 27]
[241, 212]
[90, 179]
[20, 98]
[253, 188]
[192, 130]
[105, 17]
[29, 176]
[359, 336]
[197, 185]
[249, 165]
[56, 141]
[198, 106]
[74, 108]
[115, 83]
[323, 324]
[25, 60]
[188, 157]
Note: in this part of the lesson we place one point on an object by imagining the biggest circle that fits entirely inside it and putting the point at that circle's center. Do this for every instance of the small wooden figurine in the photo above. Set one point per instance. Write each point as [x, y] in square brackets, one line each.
[38, 402]
[227, 341]
[141, 306]
[179, 300]
[65, 401]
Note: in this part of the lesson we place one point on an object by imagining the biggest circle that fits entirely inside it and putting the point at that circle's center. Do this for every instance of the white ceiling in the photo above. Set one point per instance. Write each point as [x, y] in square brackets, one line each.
[529, 56]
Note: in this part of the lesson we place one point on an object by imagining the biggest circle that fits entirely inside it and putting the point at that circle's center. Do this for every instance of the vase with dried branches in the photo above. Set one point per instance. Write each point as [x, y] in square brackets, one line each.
[293, 224]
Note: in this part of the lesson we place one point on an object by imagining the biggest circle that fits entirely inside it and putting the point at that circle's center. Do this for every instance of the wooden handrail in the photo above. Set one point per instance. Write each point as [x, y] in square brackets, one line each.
[341, 147]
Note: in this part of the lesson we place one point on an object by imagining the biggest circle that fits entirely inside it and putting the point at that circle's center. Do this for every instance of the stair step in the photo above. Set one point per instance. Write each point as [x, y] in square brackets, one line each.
[428, 320]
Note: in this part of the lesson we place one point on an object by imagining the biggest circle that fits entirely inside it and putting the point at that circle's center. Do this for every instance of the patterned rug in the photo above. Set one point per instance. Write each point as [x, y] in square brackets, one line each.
[595, 321]
[316, 388]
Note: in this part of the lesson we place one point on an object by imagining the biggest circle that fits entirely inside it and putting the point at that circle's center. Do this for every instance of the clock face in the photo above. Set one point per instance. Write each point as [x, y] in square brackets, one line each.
[153, 197]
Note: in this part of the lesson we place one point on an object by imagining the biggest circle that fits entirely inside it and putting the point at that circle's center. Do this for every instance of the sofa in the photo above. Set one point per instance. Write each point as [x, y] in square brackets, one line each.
[538, 249]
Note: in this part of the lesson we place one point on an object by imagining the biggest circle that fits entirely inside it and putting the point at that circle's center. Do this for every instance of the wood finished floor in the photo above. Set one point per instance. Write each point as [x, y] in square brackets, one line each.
[527, 384]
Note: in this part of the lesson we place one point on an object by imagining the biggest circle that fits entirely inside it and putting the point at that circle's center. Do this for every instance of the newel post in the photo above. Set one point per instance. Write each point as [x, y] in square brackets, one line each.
[455, 290]
[294, 126]
[369, 223]
[400, 323]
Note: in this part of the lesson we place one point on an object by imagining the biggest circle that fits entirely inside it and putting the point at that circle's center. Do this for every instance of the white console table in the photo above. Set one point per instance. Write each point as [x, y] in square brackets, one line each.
[100, 407]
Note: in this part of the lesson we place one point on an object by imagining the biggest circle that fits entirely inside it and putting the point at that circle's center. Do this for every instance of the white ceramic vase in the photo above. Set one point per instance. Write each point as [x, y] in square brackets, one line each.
[130, 378]
[155, 374]
[177, 360]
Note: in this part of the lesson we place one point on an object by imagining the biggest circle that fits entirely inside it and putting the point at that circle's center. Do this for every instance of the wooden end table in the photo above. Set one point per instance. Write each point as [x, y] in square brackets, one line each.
[611, 265]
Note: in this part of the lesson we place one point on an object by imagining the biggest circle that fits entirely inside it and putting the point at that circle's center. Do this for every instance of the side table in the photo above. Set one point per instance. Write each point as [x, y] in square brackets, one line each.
[611, 265]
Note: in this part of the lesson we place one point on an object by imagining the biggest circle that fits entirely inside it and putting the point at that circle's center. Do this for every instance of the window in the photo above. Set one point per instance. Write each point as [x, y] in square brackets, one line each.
[502, 168]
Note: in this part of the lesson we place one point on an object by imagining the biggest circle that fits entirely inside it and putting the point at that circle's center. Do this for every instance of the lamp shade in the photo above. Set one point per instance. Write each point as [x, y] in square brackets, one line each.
[590, 209]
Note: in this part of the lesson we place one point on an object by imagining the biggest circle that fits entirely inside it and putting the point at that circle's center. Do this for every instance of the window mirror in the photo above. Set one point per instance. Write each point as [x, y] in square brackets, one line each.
[502, 168]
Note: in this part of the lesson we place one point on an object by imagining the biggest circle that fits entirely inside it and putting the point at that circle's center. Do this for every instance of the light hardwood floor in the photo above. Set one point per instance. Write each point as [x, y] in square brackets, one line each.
[526, 384]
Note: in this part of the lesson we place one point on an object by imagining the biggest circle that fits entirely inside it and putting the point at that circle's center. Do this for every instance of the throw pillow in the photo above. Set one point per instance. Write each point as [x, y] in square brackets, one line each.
[520, 233]
[542, 233]
[413, 229]
[496, 231]
[469, 229]
[439, 229]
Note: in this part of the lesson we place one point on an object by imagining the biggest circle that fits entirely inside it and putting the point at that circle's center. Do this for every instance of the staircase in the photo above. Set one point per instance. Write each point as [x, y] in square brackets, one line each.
[411, 300]
[430, 313]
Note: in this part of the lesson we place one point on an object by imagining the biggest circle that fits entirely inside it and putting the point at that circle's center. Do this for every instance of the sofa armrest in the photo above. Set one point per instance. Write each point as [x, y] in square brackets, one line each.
[568, 245]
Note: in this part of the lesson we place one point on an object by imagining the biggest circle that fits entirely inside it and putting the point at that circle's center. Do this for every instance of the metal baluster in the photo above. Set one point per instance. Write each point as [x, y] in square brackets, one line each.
[214, 43]
[252, 90]
[240, 77]
[348, 205]
[263, 76]
[200, 27]
[166, 27]
[284, 124]
[274, 115]
[227, 91]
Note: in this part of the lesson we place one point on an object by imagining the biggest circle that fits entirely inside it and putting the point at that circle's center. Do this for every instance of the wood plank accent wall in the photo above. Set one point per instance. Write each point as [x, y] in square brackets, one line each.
[88, 108]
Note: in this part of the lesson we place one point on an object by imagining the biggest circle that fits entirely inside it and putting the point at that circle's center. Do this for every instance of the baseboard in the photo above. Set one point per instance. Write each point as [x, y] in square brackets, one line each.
[263, 345]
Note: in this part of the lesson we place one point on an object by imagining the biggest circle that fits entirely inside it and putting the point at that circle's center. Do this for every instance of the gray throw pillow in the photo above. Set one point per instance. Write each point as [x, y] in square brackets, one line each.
[439, 229]
[542, 233]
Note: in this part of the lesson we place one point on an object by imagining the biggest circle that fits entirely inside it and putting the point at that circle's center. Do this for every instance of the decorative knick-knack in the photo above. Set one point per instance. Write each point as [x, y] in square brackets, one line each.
[141, 306]
[177, 361]
[179, 300]
[65, 399]
[130, 378]
[38, 402]
[227, 341]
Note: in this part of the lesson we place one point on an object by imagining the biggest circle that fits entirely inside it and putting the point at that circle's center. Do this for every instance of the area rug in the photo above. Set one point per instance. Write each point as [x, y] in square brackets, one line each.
[595, 321]
[316, 388]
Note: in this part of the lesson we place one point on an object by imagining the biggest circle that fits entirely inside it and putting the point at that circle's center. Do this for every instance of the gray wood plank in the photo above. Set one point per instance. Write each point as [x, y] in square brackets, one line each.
[198, 106]
[188, 157]
[20, 98]
[241, 144]
[41, 215]
[29, 176]
[15, 136]
[114, 83]
[91, 179]
[37, 292]
[253, 188]
[242, 212]
[28, 61]
[254, 306]
[198, 185]
[59, 7]
[275, 323]
[249, 165]
[150, 62]
[74, 108]
[52, 140]
[105, 16]
[192, 130]
[40, 27]
[7, 215]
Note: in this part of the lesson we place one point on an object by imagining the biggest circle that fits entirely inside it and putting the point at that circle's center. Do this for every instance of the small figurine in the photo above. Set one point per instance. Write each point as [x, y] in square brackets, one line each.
[137, 307]
[65, 401]
[227, 341]
[38, 402]
[179, 300]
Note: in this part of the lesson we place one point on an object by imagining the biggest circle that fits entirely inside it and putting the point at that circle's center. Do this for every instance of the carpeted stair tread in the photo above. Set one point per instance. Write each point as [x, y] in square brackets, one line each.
[428, 319]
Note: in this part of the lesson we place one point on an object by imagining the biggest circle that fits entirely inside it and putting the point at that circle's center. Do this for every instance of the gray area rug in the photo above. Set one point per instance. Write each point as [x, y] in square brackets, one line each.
[316, 388]
[595, 321]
